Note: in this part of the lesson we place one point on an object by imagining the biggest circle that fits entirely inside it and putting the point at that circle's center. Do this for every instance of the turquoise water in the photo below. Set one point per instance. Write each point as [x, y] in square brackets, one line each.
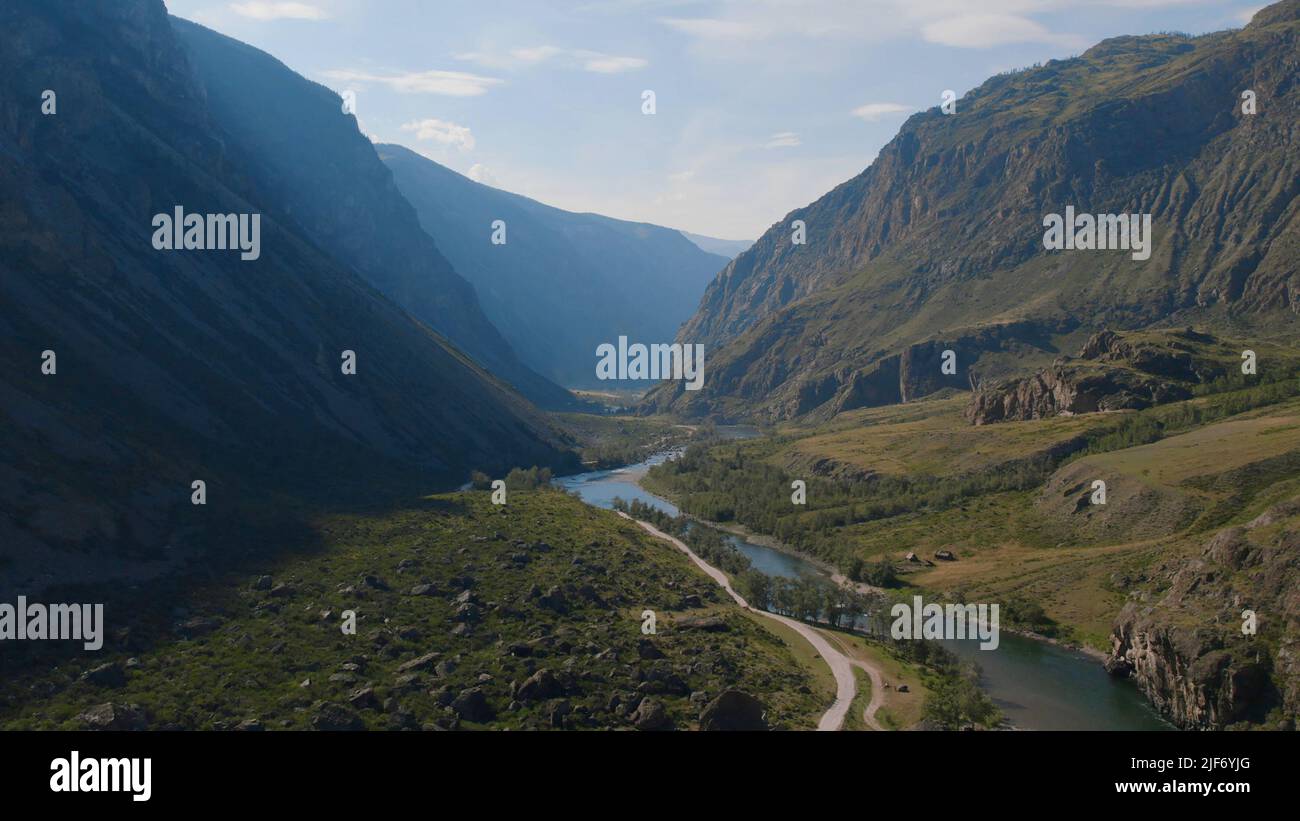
[1038, 686]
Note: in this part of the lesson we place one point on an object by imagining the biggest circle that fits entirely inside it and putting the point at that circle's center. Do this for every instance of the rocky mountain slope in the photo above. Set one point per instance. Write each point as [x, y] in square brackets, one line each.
[939, 243]
[305, 151]
[1113, 371]
[176, 366]
[563, 283]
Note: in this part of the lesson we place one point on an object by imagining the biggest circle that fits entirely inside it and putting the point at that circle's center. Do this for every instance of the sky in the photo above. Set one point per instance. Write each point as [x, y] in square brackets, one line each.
[760, 106]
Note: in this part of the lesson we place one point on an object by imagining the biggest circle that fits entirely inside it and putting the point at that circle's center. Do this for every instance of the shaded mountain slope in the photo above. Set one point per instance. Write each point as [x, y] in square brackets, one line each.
[938, 244]
[563, 283]
[185, 365]
[310, 155]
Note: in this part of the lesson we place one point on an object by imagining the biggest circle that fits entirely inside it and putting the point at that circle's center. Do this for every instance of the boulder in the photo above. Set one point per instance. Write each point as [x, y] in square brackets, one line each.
[331, 717]
[733, 710]
[114, 716]
[650, 715]
[472, 705]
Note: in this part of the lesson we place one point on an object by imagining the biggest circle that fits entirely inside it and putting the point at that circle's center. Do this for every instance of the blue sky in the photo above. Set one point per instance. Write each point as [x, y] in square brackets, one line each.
[761, 105]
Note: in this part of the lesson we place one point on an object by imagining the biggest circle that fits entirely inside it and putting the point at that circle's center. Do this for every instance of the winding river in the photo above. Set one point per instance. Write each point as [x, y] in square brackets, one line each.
[1037, 685]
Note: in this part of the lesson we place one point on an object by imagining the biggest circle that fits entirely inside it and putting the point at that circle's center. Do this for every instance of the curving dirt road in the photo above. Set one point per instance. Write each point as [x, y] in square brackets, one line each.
[846, 686]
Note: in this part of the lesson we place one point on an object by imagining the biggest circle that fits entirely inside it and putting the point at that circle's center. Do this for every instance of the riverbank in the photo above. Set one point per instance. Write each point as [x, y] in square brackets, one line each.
[836, 575]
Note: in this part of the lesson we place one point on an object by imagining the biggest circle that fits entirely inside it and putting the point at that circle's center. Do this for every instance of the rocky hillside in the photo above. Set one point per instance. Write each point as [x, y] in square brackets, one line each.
[574, 281]
[468, 616]
[1113, 371]
[1180, 636]
[188, 365]
[311, 158]
[940, 240]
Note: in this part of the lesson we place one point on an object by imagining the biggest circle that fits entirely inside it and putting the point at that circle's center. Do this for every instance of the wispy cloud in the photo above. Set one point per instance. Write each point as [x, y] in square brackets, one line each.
[279, 11]
[604, 64]
[945, 22]
[479, 173]
[586, 59]
[783, 139]
[879, 111]
[446, 83]
[708, 28]
[441, 131]
[989, 30]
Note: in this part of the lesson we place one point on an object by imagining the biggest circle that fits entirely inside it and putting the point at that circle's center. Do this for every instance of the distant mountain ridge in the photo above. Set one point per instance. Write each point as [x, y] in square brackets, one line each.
[563, 283]
[938, 244]
[729, 248]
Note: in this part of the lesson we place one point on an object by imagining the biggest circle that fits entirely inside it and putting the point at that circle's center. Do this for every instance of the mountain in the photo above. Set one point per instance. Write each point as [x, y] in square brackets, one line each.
[295, 138]
[562, 283]
[729, 248]
[939, 244]
[176, 366]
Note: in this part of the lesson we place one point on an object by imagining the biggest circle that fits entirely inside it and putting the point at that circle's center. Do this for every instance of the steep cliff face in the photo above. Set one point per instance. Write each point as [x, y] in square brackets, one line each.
[309, 156]
[1181, 637]
[942, 235]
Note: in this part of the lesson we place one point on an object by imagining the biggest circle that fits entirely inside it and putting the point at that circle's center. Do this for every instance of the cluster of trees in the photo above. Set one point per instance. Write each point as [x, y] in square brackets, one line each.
[955, 699]
[517, 479]
[710, 544]
[1232, 397]
[816, 600]
[729, 482]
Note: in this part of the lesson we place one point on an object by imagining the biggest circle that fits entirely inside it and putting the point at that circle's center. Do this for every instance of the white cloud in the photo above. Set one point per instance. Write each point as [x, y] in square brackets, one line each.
[946, 22]
[536, 54]
[441, 131]
[988, 30]
[278, 11]
[446, 83]
[603, 64]
[878, 111]
[479, 173]
[783, 139]
[593, 61]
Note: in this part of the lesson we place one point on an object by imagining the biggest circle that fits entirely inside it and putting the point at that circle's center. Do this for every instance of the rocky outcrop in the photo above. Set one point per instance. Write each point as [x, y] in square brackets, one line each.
[1182, 639]
[1114, 372]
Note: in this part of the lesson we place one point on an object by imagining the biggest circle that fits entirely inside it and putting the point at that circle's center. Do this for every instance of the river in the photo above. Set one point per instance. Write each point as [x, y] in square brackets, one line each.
[1037, 685]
